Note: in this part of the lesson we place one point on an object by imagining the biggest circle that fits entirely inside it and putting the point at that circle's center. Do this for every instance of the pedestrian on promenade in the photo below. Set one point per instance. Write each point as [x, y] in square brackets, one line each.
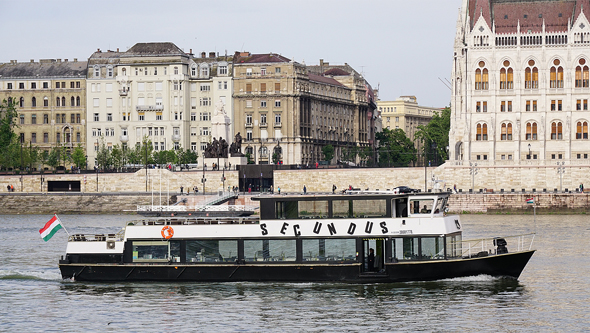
[333, 188]
[304, 189]
[581, 188]
[249, 188]
[181, 190]
[279, 189]
[271, 189]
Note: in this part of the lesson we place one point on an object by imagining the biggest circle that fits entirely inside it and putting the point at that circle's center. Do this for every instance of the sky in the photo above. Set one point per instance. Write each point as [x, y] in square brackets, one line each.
[402, 47]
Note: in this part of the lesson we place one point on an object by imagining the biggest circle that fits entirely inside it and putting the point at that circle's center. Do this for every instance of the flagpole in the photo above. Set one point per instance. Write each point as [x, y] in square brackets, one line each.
[63, 226]
[535, 214]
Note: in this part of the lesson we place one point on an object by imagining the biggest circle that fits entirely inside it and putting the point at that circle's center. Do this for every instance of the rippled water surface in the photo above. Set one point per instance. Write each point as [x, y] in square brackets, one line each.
[551, 295]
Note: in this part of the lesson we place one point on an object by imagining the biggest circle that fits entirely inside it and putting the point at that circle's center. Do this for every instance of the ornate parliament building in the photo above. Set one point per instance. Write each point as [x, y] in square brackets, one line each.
[521, 83]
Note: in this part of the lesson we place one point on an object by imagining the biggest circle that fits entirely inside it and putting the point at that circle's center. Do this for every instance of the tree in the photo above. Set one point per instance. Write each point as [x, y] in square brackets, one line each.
[78, 157]
[395, 148]
[103, 157]
[435, 135]
[328, 151]
[117, 157]
[8, 115]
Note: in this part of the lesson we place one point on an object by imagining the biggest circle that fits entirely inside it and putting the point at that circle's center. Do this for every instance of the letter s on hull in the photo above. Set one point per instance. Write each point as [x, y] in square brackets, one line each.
[263, 229]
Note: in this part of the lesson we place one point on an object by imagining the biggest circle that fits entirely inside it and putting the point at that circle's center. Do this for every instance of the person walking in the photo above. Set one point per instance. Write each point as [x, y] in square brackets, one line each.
[333, 188]
[304, 189]
[181, 190]
[279, 189]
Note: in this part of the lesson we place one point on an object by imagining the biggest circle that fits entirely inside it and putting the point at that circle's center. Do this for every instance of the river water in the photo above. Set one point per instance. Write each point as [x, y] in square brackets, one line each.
[551, 295]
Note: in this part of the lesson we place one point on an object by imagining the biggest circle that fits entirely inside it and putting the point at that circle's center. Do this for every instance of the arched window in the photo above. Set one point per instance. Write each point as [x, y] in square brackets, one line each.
[78, 101]
[506, 131]
[45, 101]
[531, 131]
[481, 77]
[556, 75]
[582, 74]
[57, 101]
[556, 130]
[21, 102]
[482, 132]
[72, 101]
[33, 102]
[194, 70]
[506, 76]
[531, 76]
[63, 101]
[582, 130]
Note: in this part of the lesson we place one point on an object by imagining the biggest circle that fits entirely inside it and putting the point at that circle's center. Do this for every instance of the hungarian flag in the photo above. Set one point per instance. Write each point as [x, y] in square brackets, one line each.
[50, 228]
[530, 200]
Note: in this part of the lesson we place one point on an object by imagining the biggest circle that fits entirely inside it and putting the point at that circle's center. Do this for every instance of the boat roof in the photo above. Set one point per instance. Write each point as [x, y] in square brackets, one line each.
[348, 195]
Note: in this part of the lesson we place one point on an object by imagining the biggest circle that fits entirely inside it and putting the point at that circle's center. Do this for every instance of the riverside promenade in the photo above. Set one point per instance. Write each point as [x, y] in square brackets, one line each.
[126, 203]
[123, 192]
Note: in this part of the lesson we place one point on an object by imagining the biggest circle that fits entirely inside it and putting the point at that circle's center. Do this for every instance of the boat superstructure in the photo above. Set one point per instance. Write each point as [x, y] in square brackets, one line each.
[350, 237]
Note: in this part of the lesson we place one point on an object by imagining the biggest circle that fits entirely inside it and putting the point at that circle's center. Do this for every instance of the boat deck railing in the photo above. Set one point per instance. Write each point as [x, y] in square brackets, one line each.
[198, 208]
[97, 237]
[483, 247]
[195, 221]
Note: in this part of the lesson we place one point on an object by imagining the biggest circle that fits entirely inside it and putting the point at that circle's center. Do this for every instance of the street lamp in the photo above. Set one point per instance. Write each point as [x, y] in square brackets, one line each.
[97, 165]
[41, 173]
[473, 171]
[560, 171]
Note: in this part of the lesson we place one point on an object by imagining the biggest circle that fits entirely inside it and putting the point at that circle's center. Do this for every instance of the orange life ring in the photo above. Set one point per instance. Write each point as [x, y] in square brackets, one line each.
[167, 232]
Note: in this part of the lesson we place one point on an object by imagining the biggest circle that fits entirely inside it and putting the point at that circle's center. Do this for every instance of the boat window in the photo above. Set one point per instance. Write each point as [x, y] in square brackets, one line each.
[329, 249]
[211, 250]
[454, 246]
[421, 206]
[405, 248]
[312, 209]
[359, 208]
[432, 248]
[400, 207]
[270, 250]
[150, 251]
[441, 204]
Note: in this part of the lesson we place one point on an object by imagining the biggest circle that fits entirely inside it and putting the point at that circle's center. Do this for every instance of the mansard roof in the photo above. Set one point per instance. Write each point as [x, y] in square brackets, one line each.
[323, 79]
[336, 72]
[43, 68]
[259, 58]
[154, 49]
[507, 15]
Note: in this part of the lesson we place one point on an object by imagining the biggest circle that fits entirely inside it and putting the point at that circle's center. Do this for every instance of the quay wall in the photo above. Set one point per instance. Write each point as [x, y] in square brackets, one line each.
[74, 203]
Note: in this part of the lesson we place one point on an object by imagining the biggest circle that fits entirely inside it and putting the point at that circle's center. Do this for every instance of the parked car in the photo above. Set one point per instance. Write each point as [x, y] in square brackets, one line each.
[405, 189]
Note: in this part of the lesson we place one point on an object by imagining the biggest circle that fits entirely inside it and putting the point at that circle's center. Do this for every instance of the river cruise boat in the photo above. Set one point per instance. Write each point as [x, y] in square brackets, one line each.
[356, 237]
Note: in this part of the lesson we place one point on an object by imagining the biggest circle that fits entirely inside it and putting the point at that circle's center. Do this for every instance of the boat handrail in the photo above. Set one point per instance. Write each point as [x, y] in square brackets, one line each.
[491, 246]
[194, 221]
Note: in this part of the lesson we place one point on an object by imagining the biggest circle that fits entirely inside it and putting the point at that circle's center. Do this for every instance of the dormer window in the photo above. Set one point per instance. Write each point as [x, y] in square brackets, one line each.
[194, 70]
[96, 71]
[109, 71]
[204, 70]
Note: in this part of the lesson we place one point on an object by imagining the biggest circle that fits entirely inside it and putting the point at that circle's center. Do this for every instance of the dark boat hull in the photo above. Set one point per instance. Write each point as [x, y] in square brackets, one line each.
[504, 265]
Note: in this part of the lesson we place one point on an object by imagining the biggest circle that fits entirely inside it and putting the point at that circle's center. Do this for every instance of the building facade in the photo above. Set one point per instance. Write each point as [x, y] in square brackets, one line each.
[50, 97]
[520, 83]
[406, 114]
[154, 91]
[287, 112]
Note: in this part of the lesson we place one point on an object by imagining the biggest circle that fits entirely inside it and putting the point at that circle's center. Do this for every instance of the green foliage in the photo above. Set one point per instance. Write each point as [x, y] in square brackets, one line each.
[103, 157]
[395, 148]
[349, 154]
[249, 158]
[435, 135]
[117, 155]
[8, 115]
[276, 157]
[79, 157]
[328, 151]
[186, 156]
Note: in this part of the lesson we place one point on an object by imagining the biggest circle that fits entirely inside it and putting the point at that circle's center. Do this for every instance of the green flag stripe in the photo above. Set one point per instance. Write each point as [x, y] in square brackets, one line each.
[49, 235]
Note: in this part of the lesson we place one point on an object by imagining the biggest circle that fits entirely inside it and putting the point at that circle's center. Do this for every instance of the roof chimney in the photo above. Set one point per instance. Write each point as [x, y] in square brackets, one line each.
[75, 59]
[190, 51]
[59, 60]
[203, 55]
[117, 49]
[32, 60]
[211, 54]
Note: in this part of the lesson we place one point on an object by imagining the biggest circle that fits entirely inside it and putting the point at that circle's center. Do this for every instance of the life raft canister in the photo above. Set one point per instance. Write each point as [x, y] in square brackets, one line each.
[167, 232]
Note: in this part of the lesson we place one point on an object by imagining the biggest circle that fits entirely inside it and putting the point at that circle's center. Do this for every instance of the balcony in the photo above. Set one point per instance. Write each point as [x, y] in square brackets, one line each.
[248, 125]
[123, 92]
[124, 138]
[176, 137]
[278, 124]
[149, 107]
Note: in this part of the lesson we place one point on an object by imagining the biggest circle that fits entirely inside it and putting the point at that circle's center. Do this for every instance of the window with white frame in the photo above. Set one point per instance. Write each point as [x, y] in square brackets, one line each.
[249, 103]
[204, 70]
[109, 102]
[205, 87]
[204, 131]
[109, 117]
[223, 70]
[249, 135]
[193, 146]
[193, 116]
[277, 118]
[203, 146]
[96, 71]
[263, 119]
[109, 71]
[278, 103]
[193, 131]
[96, 118]
[262, 104]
